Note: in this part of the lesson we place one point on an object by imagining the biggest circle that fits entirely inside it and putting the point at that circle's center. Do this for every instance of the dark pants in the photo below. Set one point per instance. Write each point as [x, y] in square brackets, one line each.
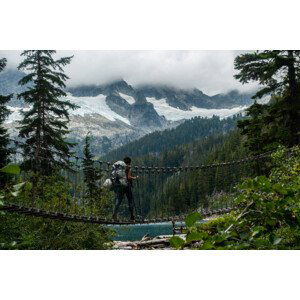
[119, 198]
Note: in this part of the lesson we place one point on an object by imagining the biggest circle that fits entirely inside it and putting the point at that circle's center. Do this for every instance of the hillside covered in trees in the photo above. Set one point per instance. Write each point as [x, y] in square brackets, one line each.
[187, 132]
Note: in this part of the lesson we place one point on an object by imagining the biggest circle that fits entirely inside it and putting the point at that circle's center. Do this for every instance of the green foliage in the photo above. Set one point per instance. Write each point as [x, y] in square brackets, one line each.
[267, 126]
[176, 242]
[91, 174]
[275, 70]
[166, 140]
[44, 125]
[95, 195]
[267, 216]
[184, 192]
[21, 232]
[11, 169]
[191, 219]
[4, 137]
[51, 193]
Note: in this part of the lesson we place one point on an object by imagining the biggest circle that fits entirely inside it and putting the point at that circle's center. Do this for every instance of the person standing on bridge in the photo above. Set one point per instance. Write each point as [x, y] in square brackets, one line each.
[126, 190]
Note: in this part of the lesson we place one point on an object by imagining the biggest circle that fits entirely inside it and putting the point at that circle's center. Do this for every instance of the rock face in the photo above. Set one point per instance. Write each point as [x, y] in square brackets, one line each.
[185, 99]
[145, 116]
[118, 113]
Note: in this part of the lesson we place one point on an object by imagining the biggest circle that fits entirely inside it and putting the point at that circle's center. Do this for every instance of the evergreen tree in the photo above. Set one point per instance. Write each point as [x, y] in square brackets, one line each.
[278, 72]
[90, 173]
[4, 137]
[44, 126]
[253, 128]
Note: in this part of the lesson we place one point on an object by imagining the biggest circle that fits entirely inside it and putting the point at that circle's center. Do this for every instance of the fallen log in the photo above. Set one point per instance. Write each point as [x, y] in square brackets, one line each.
[161, 242]
[142, 244]
[149, 243]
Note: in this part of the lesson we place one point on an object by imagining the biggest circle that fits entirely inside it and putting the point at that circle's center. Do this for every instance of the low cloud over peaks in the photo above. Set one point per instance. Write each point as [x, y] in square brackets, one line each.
[210, 71]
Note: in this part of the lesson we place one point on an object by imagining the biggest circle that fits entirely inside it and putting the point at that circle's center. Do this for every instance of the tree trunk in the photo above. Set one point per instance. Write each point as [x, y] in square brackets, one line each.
[293, 101]
[292, 76]
[39, 127]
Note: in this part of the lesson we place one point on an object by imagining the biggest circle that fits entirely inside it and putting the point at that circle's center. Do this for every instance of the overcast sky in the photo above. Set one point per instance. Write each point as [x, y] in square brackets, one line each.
[210, 71]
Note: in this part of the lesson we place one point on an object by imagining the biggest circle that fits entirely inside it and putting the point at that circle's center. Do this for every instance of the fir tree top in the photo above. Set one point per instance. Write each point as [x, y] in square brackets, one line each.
[44, 126]
[275, 70]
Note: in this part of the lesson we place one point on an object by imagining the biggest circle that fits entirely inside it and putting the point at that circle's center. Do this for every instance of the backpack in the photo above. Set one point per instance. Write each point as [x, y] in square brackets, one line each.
[118, 178]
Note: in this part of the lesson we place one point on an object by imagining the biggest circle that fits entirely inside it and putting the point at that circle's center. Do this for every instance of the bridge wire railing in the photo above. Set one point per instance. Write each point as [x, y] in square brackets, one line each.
[214, 183]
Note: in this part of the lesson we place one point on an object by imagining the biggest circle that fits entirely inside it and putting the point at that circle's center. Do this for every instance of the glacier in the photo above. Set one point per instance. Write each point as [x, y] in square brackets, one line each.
[128, 98]
[175, 114]
[95, 105]
[87, 106]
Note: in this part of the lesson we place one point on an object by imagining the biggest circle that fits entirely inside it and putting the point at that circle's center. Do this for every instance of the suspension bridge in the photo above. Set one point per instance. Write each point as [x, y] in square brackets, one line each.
[152, 203]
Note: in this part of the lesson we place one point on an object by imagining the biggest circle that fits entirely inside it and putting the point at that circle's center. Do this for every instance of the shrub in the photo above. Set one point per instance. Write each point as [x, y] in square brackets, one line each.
[267, 214]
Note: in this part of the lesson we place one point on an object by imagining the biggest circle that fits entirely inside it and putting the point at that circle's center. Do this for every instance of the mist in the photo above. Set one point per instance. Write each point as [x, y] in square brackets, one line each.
[210, 71]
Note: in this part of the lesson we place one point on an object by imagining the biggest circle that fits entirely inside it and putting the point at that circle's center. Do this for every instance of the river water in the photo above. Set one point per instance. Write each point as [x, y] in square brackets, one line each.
[137, 231]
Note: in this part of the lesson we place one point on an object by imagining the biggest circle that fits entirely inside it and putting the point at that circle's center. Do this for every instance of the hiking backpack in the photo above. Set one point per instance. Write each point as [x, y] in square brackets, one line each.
[118, 176]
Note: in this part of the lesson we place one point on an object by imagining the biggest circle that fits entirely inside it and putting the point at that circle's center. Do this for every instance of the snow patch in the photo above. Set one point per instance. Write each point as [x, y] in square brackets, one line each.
[95, 105]
[87, 106]
[128, 98]
[15, 114]
[175, 114]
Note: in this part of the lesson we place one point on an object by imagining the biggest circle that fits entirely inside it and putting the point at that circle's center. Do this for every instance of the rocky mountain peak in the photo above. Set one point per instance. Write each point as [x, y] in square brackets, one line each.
[118, 112]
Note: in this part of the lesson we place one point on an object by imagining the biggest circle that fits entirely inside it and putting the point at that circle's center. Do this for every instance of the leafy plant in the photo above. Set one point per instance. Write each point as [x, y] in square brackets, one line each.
[267, 216]
[25, 232]
[11, 169]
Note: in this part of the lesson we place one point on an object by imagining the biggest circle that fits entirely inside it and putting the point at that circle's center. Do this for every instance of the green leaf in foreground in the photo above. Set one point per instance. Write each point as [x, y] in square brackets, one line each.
[18, 186]
[15, 194]
[11, 169]
[191, 219]
[28, 186]
[194, 236]
[176, 242]
[277, 241]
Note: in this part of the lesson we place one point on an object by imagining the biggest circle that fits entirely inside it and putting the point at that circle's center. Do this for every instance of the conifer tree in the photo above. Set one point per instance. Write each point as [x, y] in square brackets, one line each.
[278, 72]
[44, 126]
[90, 173]
[4, 137]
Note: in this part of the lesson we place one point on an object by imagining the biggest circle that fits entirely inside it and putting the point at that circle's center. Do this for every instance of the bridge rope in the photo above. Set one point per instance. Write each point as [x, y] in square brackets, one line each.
[157, 169]
[155, 176]
[13, 208]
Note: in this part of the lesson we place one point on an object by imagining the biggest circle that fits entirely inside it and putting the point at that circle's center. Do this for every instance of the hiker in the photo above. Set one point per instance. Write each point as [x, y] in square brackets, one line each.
[125, 189]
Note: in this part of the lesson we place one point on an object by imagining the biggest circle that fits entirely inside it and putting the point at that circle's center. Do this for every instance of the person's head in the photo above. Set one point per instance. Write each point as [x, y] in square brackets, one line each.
[127, 160]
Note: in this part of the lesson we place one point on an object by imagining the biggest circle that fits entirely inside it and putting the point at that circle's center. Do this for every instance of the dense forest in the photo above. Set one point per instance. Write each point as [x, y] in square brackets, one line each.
[187, 190]
[264, 193]
[187, 132]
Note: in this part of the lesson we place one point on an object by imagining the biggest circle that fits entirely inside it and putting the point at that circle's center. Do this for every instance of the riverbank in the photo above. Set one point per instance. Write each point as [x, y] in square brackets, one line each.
[146, 243]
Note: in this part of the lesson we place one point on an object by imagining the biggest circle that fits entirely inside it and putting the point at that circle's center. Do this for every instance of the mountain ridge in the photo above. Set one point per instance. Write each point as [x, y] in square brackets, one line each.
[181, 98]
[117, 113]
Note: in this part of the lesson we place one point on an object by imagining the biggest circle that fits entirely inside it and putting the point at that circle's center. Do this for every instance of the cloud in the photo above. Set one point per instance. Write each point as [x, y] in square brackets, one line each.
[210, 71]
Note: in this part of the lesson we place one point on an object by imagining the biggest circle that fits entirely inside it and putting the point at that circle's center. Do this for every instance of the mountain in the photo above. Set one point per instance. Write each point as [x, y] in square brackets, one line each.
[117, 113]
[9, 85]
[187, 99]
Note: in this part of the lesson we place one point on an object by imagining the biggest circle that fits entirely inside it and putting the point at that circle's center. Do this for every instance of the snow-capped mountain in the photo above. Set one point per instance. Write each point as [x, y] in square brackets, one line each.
[118, 113]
